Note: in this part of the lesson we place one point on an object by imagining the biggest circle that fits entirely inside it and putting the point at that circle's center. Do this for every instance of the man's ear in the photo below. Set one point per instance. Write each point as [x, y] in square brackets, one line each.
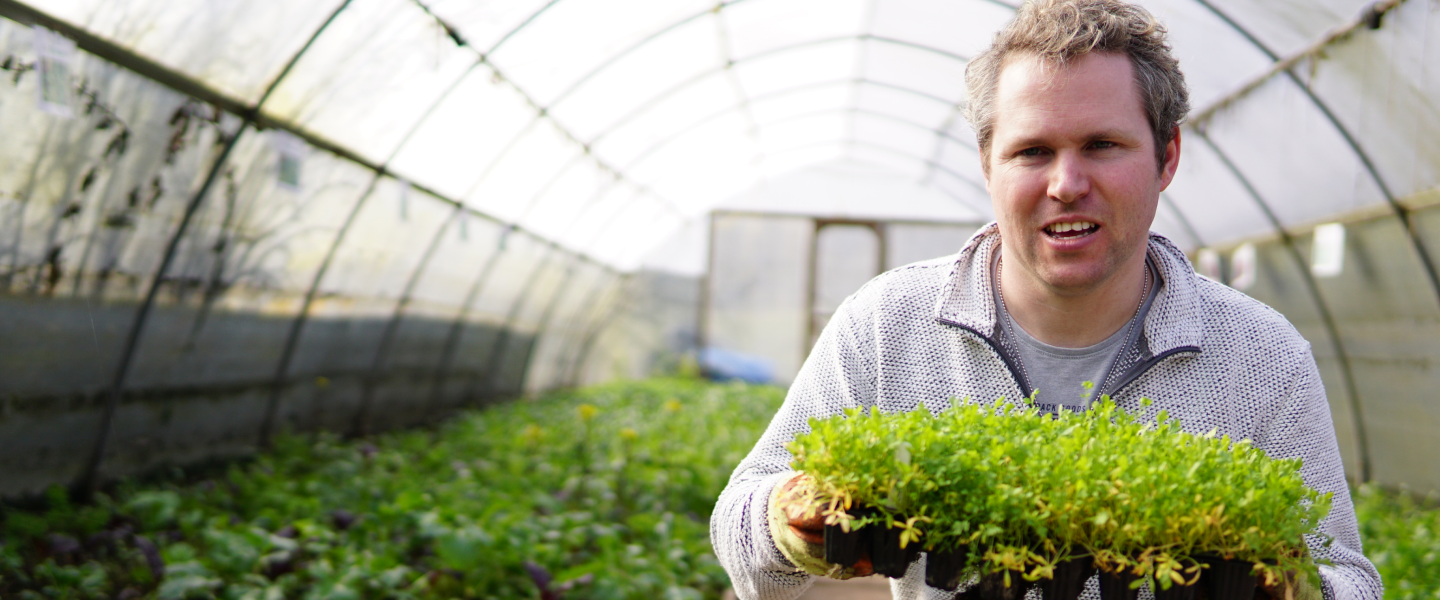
[1172, 160]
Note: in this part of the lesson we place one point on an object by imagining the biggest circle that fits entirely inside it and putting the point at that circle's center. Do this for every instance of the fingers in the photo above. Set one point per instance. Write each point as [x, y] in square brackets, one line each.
[810, 535]
[863, 568]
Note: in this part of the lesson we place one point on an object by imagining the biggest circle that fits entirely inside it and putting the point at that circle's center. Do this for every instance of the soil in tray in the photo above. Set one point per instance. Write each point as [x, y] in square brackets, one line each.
[886, 555]
[992, 587]
[1117, 587]
[1177, 592]
[844, 548]
[943, 569]
[1229, 579]
[1069, 580]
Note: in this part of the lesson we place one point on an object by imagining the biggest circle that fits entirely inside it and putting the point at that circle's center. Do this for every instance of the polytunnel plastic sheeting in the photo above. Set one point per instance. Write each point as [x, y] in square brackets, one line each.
[902, 101]
[592, 31]
[561, 330]
[1384, 90]
[961, 27]
[755, 28]
[665, 108]
[1301, 156]
[685, 53]
[615, 59]
[1211, 198]
[924, 70]
[465, 134]
[235, 46]
[756, 288]
[367, 81]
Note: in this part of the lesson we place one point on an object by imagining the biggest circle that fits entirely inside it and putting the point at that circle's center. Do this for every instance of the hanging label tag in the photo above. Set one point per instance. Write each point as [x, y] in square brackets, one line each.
[1244, 267]
[53, 57]
[404, 199]
[290, 152]
[1327, 255]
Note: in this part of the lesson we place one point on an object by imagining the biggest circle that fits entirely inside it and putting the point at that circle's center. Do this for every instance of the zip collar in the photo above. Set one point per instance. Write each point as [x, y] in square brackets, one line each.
[1171, 327]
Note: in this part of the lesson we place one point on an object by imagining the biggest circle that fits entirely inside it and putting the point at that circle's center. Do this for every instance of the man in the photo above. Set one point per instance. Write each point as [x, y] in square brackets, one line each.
[1076, 108]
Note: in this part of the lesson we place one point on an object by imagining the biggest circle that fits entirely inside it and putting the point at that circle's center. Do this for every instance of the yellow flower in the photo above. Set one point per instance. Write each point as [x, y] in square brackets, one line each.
[629, 434]
[532, 433]
[588, 412]
[672, 405]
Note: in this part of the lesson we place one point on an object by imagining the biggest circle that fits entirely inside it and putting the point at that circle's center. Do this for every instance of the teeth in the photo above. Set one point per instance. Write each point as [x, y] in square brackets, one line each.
[1075, 226]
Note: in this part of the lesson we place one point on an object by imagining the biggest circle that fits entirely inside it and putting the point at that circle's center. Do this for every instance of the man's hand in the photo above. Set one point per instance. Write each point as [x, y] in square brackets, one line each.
[801, 536]
[1293, 587]
[809, 527]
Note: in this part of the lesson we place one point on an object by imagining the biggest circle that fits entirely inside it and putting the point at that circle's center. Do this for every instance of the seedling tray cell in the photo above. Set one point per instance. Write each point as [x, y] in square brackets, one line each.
[1229, 580]
[943, 569]
[886, 555]
[1069, 580]
[1117, 587]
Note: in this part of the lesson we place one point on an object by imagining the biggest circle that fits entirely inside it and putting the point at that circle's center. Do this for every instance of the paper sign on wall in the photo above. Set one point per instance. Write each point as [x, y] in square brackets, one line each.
[1207, 264]
[291, 152]
[1327, 255]
[53, 56]
[1243, 268]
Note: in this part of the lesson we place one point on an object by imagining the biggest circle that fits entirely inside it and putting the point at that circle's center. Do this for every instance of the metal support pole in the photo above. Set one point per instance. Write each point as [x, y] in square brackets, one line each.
[497, 350]
[1400, 211]
[292, 338]
[457, 327]
[90, 477]
[596, 327]
[1357, 415]
[361, 424]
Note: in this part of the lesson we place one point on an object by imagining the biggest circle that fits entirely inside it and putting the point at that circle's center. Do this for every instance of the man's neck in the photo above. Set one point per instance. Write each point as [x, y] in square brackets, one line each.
[1071, 320]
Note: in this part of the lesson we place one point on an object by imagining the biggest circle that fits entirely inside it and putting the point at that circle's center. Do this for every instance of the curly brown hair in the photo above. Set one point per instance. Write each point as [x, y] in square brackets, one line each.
[1057, 31]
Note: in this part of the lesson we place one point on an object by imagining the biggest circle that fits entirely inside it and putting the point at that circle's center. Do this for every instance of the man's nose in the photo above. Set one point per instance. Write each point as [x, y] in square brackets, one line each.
[1069, 178]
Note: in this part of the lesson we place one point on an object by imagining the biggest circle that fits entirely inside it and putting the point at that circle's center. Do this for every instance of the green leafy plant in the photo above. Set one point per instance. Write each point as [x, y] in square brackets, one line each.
[1402, 537]
[1026, 491]
[598, 493]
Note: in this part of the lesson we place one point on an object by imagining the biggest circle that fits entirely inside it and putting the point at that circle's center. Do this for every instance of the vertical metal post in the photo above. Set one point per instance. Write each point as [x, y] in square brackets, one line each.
[361, 424]
[593, 334]
[292, 337]
[457, 327]
[90, 477]
[812, 263]
[497, 350]
[707, 284]
[1356, 414]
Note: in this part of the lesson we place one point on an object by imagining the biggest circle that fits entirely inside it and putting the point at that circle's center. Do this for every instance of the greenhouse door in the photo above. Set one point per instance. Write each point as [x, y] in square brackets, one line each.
[843, 256]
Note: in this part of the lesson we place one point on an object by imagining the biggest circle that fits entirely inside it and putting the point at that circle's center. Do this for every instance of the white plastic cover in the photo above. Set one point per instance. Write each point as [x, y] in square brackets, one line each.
[690, 102]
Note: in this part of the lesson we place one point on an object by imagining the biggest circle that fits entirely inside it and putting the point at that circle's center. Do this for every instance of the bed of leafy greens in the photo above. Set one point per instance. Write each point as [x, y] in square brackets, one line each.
[597, 493]
[1134, 495]
[1402, 537]
[601, 493]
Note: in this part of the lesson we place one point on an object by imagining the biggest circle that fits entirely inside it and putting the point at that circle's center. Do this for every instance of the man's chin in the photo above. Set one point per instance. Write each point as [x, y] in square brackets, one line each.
[1071, 283]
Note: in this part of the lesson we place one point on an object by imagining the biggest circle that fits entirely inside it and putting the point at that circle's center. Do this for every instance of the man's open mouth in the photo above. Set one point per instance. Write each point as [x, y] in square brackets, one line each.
[1071, 230]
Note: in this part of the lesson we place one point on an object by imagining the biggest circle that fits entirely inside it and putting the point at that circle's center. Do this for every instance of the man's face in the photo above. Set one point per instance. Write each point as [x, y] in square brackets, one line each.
[1072, 171]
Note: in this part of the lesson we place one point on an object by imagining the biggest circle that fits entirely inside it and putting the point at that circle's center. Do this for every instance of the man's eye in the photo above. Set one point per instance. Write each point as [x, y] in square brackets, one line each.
[1102, 144]
[1031, 152]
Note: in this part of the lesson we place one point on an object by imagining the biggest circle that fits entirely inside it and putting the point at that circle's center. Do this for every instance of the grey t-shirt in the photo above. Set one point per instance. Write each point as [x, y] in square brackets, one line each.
[1058, 374]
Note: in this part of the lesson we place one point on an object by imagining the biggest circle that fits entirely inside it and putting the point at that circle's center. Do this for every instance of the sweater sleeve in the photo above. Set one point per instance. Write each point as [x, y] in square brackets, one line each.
[1303, 429]
[836, 375]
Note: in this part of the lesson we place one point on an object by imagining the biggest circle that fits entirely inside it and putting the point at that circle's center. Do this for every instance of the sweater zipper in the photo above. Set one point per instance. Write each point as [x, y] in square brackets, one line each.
[1010, 364]
[1130, 375]
[1135, 371]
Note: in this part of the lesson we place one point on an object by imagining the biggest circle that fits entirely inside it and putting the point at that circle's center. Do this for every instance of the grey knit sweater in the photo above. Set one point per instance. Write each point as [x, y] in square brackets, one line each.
[927, 332]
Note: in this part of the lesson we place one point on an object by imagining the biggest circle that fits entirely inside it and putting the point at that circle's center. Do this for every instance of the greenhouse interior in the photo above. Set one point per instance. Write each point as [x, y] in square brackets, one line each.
[227, 226]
